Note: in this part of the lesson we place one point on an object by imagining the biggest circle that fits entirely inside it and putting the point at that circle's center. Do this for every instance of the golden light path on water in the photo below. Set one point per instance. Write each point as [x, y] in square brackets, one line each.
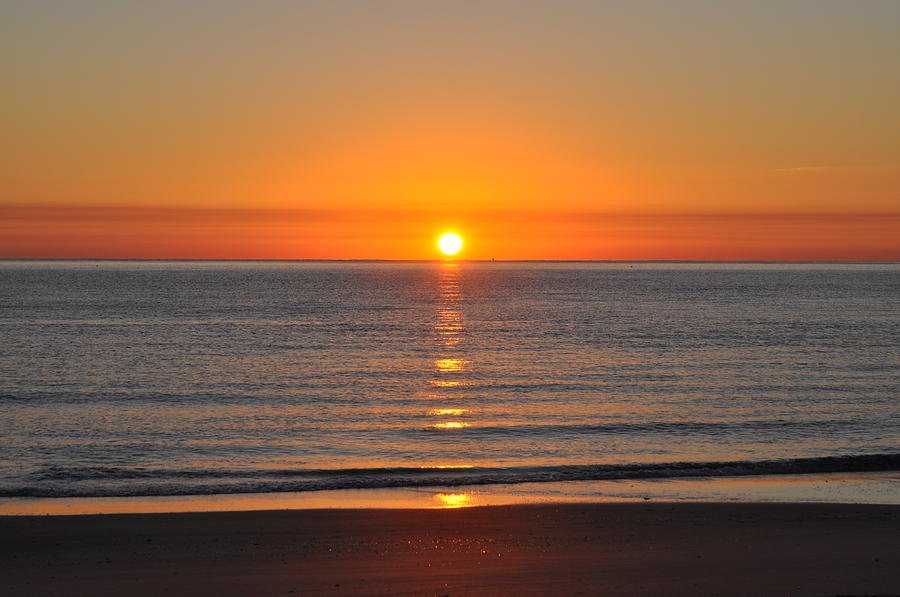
[451, 425]
[449, 334]
[450, 365]
[449, 411]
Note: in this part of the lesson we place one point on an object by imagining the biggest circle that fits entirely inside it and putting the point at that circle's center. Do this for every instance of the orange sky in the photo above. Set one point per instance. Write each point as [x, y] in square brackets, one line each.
[537, 130]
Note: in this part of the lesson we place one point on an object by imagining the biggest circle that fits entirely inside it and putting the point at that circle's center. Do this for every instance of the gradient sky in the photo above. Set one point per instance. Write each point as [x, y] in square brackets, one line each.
[537, 130]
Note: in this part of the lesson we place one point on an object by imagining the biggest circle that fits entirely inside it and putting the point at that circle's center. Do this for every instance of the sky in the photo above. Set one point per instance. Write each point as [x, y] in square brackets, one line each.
[710, 130]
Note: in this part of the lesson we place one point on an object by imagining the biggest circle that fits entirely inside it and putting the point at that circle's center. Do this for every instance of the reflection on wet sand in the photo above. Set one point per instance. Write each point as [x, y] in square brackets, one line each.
[454, 500]
[449, 332]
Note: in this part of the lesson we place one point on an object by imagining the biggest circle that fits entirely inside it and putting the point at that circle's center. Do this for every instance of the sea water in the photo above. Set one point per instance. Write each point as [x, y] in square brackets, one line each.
[192, 378]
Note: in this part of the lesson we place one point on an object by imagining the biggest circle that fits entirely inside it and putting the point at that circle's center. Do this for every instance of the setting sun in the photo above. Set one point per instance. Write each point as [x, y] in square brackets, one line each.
[450, 243]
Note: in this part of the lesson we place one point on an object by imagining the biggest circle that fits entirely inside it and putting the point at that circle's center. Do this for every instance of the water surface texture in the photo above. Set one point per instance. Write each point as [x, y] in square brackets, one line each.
[166, 378]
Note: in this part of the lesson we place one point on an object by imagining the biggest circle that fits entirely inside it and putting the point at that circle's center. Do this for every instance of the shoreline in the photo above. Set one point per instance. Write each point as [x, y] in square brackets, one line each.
[612, 549]
[877, 488]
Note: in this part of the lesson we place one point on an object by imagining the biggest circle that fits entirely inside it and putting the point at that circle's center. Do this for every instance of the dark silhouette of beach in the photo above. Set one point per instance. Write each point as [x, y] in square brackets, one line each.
[599, 549]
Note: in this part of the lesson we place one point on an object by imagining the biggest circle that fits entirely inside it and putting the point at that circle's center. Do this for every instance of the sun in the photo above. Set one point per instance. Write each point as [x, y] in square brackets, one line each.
[450, 243]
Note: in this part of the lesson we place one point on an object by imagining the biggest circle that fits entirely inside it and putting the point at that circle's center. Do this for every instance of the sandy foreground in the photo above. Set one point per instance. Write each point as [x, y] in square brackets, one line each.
[591, 549]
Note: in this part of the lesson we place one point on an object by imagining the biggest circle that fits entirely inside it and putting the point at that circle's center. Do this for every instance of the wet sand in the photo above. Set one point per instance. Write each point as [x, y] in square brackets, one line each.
[610, 549]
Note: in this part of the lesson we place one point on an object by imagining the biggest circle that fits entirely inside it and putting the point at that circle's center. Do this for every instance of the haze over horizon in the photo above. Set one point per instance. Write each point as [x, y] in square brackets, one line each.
[537, 130]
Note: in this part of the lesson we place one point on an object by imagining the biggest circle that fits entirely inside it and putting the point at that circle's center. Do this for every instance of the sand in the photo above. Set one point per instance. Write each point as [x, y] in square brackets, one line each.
[608, 549]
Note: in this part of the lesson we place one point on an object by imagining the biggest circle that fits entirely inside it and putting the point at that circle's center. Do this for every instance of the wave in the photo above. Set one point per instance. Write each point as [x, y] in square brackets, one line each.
[656, 427]
[122, 481]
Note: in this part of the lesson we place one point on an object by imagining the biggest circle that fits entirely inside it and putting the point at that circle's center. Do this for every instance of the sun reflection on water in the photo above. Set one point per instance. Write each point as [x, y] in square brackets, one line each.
[449, 329]
[451, 425]
[450, 365]
[454, 412]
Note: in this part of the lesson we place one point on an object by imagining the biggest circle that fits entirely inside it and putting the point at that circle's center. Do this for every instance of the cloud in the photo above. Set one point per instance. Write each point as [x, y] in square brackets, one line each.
[840, 169]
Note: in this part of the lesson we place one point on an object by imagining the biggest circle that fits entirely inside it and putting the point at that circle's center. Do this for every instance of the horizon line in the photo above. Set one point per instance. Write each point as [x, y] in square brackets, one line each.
[438, 260]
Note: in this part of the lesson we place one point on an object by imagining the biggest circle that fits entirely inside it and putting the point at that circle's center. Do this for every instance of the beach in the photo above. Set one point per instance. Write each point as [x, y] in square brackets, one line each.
[609, 549]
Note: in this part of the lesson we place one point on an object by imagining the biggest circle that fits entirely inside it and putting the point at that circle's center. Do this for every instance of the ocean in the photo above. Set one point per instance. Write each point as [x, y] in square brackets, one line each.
[126, 378]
